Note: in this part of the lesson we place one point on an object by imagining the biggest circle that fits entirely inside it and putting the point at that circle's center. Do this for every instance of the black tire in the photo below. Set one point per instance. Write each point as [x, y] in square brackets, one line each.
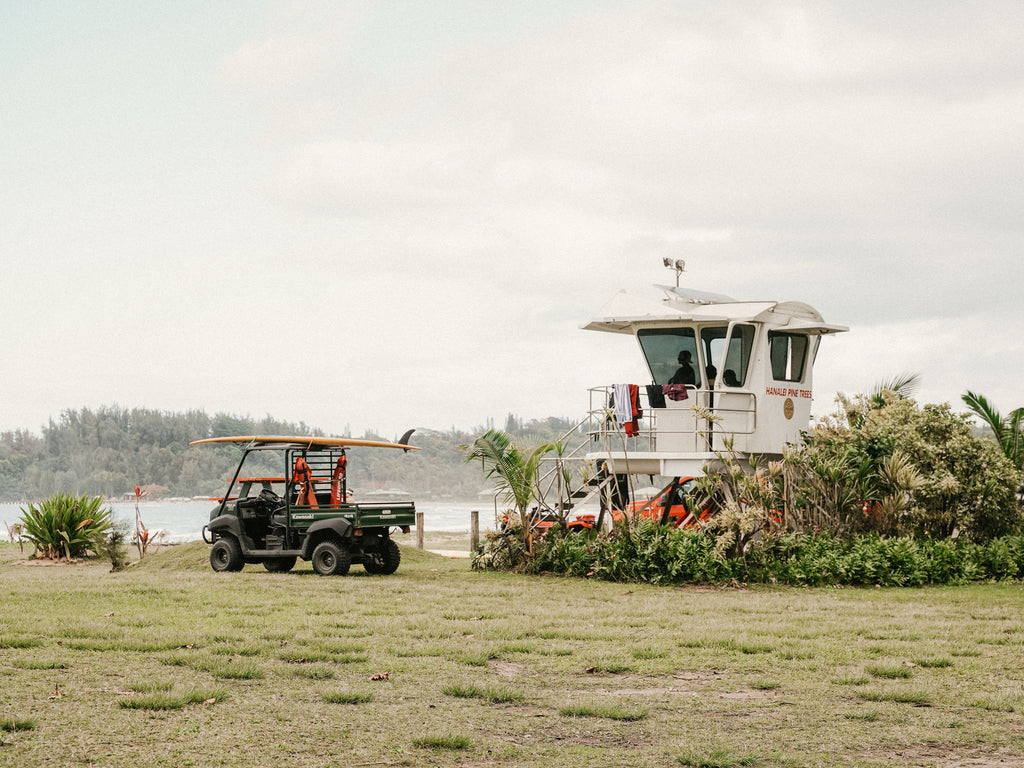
[226, 555]
[386, 561]
[279, 564]
[331, 559]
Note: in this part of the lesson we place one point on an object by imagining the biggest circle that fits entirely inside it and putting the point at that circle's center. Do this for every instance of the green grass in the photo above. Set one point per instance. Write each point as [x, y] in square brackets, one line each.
[15, 724]
[890, 672]
[934, 663]
[443, 741]
[853, 680]
[719, 758]
[348, 697]
[493, 669]
[166, 700]
[493, 694]
[19, 642]
[917, 698]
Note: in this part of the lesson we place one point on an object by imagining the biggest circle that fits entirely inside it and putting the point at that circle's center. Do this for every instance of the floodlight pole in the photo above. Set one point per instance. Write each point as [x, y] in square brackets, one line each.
[678, 265]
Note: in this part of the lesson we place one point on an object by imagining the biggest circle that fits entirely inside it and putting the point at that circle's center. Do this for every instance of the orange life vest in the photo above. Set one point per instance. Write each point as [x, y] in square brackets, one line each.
[338, 480]
[303, 477]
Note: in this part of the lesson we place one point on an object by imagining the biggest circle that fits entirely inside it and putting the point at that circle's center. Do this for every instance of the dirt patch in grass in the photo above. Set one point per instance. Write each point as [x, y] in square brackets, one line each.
[950, 756]
[42, 561]
[508, 669]
[746, 694]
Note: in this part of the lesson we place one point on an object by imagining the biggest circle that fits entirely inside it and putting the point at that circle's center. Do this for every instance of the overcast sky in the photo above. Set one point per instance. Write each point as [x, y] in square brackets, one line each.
[374, 215]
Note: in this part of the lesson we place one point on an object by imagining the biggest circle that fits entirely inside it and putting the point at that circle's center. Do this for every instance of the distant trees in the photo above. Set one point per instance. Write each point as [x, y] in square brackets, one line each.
[108, 451]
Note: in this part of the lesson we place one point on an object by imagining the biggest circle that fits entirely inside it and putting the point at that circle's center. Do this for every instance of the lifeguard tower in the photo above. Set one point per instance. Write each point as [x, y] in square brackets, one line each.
[724, 374]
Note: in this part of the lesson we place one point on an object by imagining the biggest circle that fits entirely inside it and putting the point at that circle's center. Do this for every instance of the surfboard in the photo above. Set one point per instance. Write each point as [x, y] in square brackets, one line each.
[309, 442]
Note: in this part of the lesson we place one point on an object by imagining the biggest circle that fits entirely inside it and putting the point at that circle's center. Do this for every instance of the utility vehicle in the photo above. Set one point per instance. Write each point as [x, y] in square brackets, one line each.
[289, 499]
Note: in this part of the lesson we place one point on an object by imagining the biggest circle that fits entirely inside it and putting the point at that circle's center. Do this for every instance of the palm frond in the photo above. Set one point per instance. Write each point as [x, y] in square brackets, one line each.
[903, 385]
[987, 413]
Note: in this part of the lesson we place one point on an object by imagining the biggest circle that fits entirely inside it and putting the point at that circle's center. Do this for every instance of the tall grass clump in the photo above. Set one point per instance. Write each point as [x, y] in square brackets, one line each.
[66, 526]
[453, 741]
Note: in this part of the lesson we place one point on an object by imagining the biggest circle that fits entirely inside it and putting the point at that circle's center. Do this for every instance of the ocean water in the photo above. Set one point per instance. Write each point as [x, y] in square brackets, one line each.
[184, 520]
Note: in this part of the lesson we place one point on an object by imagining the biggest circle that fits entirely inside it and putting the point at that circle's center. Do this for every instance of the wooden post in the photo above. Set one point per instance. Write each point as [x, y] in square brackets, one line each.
[474, 531]
[419, 529]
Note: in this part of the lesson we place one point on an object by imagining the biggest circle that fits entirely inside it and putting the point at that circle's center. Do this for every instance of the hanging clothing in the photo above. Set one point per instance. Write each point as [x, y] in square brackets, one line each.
[620, 404]
[633, 427]
[655, 396]
[626, 406]
[675, 392]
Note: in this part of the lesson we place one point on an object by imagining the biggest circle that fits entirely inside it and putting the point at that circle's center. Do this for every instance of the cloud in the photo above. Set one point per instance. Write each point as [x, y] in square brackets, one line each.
[454, 191]
[951, 356]
[275, 64]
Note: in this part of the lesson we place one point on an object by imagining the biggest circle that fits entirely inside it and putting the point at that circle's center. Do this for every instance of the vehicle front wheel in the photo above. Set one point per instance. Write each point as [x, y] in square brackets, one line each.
[279, 564]
[331, 559]
[226, 555]
[386, 561]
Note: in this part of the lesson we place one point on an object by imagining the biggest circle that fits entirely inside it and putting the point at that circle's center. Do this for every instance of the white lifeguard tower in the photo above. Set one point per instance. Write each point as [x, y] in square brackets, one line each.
[723, 374]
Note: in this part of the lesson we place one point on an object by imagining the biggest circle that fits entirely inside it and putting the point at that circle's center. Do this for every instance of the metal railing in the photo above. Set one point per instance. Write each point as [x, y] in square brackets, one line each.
[693, 430]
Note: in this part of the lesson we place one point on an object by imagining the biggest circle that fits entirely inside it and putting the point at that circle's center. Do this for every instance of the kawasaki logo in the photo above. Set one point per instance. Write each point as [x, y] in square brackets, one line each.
[308, 516]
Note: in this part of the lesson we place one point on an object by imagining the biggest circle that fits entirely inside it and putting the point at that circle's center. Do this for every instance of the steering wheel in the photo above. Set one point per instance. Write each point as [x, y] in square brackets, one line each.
[269, 500]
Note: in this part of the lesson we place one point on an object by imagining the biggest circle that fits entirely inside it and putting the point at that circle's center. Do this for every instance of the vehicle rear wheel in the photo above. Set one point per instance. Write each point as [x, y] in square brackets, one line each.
[331, 559]
[279, 564]
[226, 555]
[386, 561]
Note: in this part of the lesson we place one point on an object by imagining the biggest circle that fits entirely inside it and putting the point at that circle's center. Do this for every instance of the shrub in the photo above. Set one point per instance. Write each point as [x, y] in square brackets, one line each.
[66, 526]
[112, 546]
[643, 551]
[647, 552]
[890, 466]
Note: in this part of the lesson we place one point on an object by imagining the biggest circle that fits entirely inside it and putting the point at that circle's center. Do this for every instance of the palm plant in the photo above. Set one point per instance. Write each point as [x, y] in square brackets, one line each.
[900, 387]
[514, 467]
[1007, 430]
[66, 526]
[903, 386]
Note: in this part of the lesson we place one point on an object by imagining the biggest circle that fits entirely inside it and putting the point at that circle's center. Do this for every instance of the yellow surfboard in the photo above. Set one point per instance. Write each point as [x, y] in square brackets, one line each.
[308, 441]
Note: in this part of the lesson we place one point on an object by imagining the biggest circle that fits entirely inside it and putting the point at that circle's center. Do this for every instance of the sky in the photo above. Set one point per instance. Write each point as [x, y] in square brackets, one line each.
[368, 216]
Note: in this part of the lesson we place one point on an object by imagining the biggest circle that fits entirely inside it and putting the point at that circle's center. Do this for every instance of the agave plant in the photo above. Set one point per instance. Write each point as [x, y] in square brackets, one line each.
[65, 526]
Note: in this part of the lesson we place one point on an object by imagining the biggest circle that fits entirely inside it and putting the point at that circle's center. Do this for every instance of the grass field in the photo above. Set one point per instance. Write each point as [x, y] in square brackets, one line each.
[171, 664]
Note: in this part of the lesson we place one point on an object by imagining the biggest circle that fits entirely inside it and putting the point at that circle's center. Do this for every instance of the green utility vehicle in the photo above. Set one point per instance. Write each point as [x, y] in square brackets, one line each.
[289, 498]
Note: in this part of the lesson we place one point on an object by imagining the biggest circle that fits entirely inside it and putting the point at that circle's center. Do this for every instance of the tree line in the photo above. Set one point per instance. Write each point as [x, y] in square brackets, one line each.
[110, 450]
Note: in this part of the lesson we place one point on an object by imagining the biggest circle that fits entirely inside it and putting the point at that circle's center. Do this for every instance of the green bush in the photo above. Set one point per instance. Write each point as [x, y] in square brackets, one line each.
[66, 526]
[660, 555]
[888, 465]
[643, 551]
